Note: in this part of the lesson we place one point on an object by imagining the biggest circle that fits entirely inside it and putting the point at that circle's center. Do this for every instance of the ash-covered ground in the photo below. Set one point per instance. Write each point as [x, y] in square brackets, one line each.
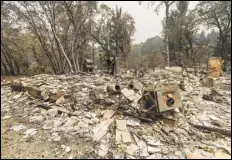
[85, 122]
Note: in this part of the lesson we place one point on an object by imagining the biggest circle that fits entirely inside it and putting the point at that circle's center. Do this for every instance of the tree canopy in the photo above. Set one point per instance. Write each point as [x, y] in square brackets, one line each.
[57, 36]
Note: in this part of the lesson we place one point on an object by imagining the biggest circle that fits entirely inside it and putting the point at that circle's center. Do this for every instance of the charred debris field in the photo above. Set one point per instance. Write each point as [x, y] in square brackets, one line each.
[163, 114]
[104, 81]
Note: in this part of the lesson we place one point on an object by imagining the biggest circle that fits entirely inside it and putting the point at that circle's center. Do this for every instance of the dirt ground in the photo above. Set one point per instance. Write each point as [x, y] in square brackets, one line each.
[38, 146]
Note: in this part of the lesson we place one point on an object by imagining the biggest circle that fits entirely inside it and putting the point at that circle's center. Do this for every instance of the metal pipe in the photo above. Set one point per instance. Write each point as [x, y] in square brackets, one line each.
[119, 87]
[131, 86]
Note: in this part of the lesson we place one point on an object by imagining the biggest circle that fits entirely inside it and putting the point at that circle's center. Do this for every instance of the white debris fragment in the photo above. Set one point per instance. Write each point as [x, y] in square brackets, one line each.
[58, 121]
[60, 100]
[36, 110]
[82, 124]
[132, 149]
[154, 143]
[102, 150]
[118, 137]
[48, 124]
[126, 137]
[70, 122]
[36, 118]
[136, 139]
[101, 129]
[133, 121]
[66, 148]
[109, 101]
[52, 112]
[55, 134]
[213, 117]
[57, 138]
[153, 156]
[151, 149]
[143, 149]
[88, 116]
[130, 94]
[174, 69]
[17, 96]
[44, 94]
[6, 117]
[30, 132]
[18, 128]
[177, 110]
[121, 125]
[108, 114]
[71, 157]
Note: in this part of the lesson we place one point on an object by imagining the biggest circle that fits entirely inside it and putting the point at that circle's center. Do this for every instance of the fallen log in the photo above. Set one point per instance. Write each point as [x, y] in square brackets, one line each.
[213, 129]
[5, 83]
[79, 72]
[35, 92]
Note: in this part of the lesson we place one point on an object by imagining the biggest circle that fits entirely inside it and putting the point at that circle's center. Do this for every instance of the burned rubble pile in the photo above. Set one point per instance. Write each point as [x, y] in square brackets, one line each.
[158, 115]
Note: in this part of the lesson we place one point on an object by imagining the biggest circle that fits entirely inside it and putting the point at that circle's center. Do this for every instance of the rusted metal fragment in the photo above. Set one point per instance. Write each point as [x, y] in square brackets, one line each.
[215, 67]
[169, 98]
[16, 86]
[54, 96]
[59, 94]
[161, 99]
[60, 100]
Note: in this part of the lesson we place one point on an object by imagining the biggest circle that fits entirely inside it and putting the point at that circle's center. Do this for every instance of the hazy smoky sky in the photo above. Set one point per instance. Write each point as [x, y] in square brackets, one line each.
[147, 22]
